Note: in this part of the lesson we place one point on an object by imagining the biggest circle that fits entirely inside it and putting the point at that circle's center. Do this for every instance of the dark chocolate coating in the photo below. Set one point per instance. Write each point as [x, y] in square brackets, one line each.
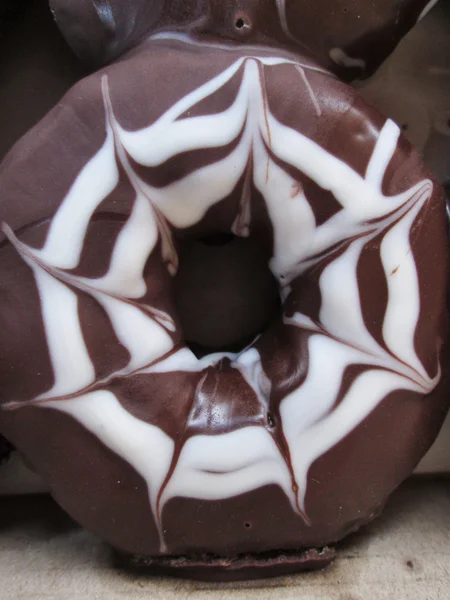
[347, 485]
[364, 30]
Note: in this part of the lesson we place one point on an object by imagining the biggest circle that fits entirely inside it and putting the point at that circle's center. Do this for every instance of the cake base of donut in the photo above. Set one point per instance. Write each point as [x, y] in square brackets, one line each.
[244, 567]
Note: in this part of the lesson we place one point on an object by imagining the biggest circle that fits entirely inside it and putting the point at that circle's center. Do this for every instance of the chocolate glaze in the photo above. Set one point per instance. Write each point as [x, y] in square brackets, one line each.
[354, 37]
[290, 444]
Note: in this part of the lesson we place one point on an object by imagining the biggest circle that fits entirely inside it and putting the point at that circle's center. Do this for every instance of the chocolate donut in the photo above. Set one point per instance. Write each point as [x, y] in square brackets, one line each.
[352, 37]
[202, 458]
[286, 445]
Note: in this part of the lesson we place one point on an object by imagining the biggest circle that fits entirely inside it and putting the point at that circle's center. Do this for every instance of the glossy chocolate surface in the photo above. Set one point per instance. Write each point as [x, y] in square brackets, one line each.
[288, 444]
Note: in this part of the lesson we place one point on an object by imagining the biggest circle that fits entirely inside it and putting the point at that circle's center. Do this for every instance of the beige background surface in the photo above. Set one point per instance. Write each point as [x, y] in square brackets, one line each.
[405, 555]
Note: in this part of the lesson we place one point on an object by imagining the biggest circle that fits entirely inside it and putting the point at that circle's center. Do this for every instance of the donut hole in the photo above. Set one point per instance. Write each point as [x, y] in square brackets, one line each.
[217, 239]
[224, 293]
[248, 525]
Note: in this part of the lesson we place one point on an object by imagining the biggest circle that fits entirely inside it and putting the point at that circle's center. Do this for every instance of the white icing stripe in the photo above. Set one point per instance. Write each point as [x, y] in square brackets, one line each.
[403, 308]
[290, 213]
[131, 251]
[144, 339]
[152, 146]
[335, 316]
[222, 466]
[181, 203]
[314, 399]
[427, 9]
[72, 367]
[250, 367]
[347, 186]
[341, 58]
[140, 235]
[68, 228]
[185, 360]
[383, 153]
[331, 173]
[145, 447]
[308, 444]
[311, 93]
